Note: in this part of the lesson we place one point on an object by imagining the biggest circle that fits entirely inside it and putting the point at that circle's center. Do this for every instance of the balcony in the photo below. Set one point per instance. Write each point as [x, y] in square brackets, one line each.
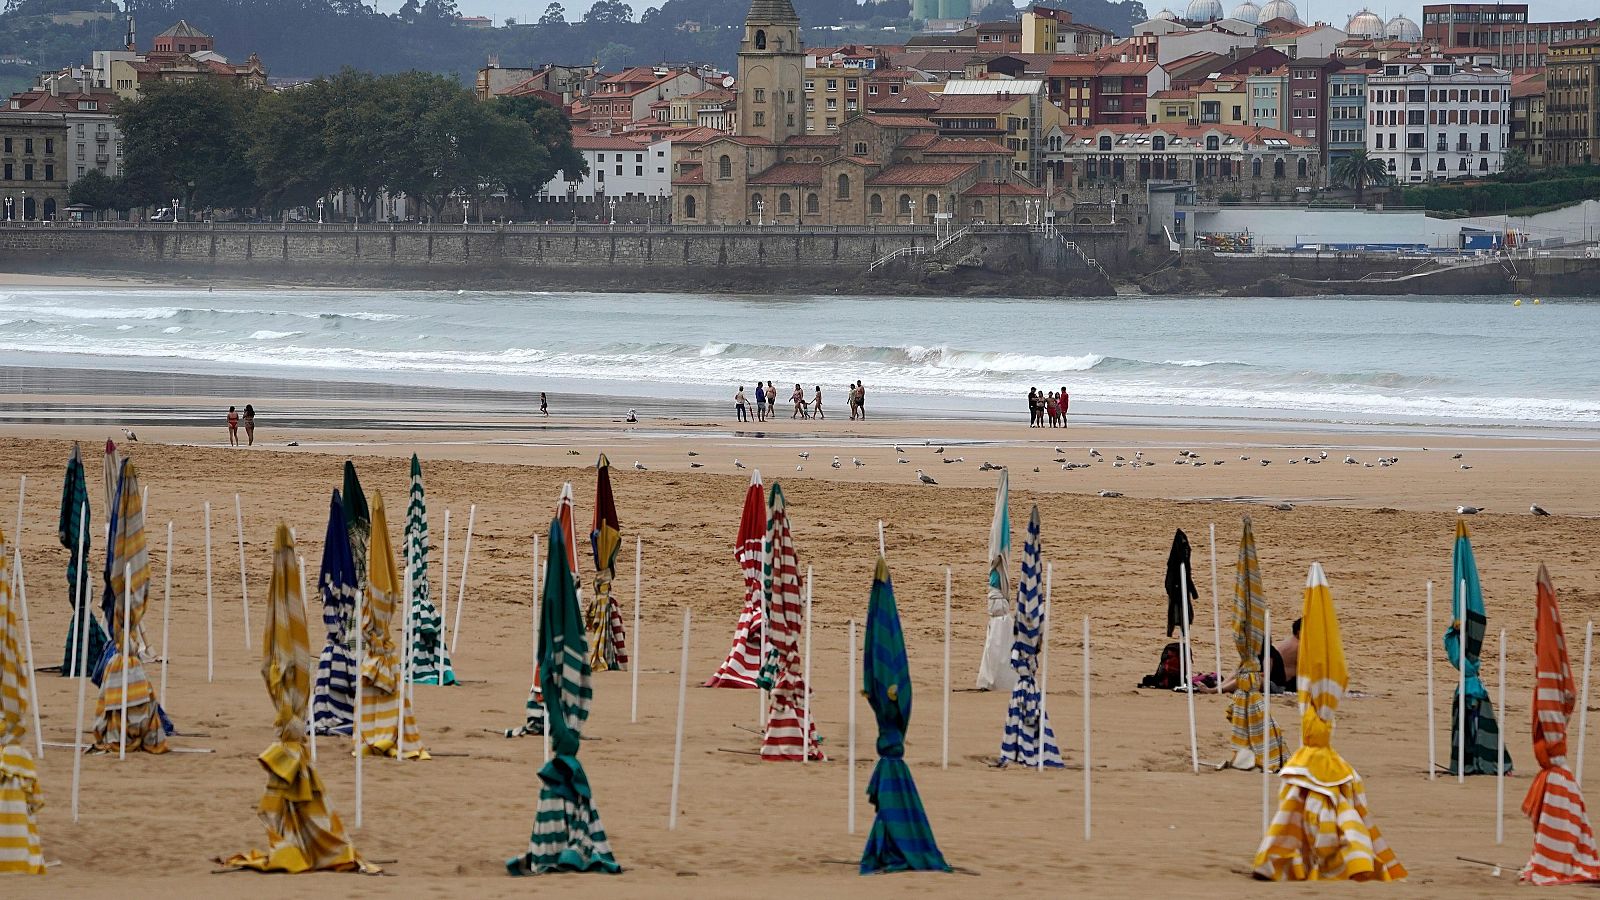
[102, 158]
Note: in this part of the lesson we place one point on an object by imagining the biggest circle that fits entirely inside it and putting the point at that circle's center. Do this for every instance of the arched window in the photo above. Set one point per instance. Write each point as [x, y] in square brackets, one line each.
[28, 208]
[861, 148]
[785, 204]
[875, 205]
[1212, 142]
[1277, 168]
[1118, 171]
[1301, 167]
[905, 204]
[688, 207]
[811, 203]
[977, 207]
[1105, 142]
[932, 206]
[761, 39]
[788, 159]
[844, 187]
[1011, 207]
[725, 167]
[1255, 167]
[1158, 143]
[755, 203]
[49, 207]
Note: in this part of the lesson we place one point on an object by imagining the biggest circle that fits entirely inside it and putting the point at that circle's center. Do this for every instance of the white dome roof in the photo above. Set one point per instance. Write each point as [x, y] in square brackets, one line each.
[1166, 15]
[1203, 10]
[1365, 24]
[1401, 28]
[1280, 9]
[1246, 12]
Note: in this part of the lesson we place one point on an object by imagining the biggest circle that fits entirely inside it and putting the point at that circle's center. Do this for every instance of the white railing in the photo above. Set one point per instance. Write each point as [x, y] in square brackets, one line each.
[903, 251]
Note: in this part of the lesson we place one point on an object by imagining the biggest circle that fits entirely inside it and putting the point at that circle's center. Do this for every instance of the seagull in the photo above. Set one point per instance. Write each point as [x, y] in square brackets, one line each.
[1349, 460]
[1285, 506]
[1244, 459]
[1324, 455]
[1036, 469]
[1197, 463]
[1116, 465]
[1294, 462]
[1059, 459]
[1538, 510]
[902, 461]
[1469, 510]
[897, 449]
[800, 468]
[805, 454]
[949, 461]
[1457, 456]
[692, 453]
[1465, 467]
[856, 461]
[836, 462]
[1121, 459]
[572, 453]
[639, 466]
[696, 465]
[1218, 462]
[292, 444]
[1266, 462]
[737, 464]
[940, 450]
[1095, 453]
[1111, 493]
[925, 478]
[1139, 454]
[129, 435]
[1059, 450]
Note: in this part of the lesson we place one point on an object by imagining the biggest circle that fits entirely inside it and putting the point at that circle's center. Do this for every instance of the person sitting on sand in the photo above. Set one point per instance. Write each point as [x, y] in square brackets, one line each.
[1285, 667]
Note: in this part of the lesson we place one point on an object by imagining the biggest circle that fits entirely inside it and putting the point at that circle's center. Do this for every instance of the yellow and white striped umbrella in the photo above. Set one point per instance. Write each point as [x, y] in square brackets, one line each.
[385, 707]
[20, 797]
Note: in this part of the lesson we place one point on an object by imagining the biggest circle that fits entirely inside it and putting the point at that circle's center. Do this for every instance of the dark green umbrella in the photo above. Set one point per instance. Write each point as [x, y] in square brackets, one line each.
[567, 834]
[1483, 732]
[71, 526]
[901, 839]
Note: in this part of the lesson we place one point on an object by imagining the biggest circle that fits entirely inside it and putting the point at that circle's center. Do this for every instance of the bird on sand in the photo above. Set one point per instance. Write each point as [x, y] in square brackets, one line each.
[737, 464]
[897, 449]
[696, 465]
[940, 450]
[1266, 462]
[1465, 467]
[1324, 455]
[1285, 506]
[836, 463]
[1538, 510]
[805, 454]
[902, 461]
[1469, 510]
[925, 478]
[1095, 453]
[692, 453]
[639, 466]
[856, 461]
[1111, 493]
[1456, 456]
[130, 435]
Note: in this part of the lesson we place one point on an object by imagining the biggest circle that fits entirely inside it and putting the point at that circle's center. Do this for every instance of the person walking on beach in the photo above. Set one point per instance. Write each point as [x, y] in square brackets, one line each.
[738, 405]
[861, 398]
[798, 398]
[233, 426]
[250, 424]
[772, 400]
[850, 400]
[544, 405]
[816, 404]
[1030, 407]
[1064, 402]
[761, 402]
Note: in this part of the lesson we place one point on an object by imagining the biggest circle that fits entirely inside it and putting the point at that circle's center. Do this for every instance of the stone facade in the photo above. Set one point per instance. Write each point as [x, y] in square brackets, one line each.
[33, 166]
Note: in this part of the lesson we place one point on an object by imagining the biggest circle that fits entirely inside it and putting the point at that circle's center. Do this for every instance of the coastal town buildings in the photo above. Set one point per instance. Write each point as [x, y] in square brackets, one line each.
[1439, 117]
[1527, 115]
[1501, 30]
[89, 116]
[1572, 103]
[619, 167]
[33, 165]
[1241, 159]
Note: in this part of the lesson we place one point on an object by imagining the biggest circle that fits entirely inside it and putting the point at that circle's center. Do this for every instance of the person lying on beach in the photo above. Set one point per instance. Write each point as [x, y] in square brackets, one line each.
[1285, 667]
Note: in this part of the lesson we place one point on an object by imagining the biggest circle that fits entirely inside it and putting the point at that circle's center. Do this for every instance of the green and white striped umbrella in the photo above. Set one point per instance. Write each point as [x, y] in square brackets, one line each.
[430, 657]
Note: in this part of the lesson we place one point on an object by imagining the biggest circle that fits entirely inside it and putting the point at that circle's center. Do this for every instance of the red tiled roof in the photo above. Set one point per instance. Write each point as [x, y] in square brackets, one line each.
[1527, 85]
[602, 142]
[790, 173]
[698, 135]
[1128, 68]
[691, 173]
[917, 141]
[811, 140]
[43, 101]
[1002, 189]
[910, 99]
[966, 146]
[921, 173]
[977, 104]
[1067, 67]
[894, 121]
[1173, 95]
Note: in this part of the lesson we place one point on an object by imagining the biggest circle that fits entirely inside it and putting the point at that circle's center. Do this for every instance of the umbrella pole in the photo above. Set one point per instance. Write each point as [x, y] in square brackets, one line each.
[1461, 692]
[127, 624]
[1088, 766]
[210, 652]
[545, 573]
[1500, 755]
[944, 736]
[535, 608]
[1427, 648]
[405, 661]
[27, 630]
[166, 618]
[638, 569]
[805, 729]
[880, 537]
[1216, 608]
[851, 687]
[1044, 661]
[461, 593]
[444, 592]
[244, 579]
[1266, 737]
[355, 730]
[677, 745]
[1583, 705]
[1188, 664]
[82, 641]
[305, 613]
[766, 610]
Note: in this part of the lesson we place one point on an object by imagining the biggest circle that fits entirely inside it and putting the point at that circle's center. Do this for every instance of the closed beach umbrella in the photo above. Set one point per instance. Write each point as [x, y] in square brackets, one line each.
[533, 709]
[901, 839]
[743, 663]
[20, 797]
[358, 520]
[1563, 843]
[385, 705]
[608, 643]
[1180, 585]
[786, 737]
[333, 706]
[1322, 830]
[110, 471]
[123, 681]
[73, 524]
[994, 674]
[430, 658]
[567, 833]
[303, 833]
[1027, 722]
[1483, 732]
[1256, 738]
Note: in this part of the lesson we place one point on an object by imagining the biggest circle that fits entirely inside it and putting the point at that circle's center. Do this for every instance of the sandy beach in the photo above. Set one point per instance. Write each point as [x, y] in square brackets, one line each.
[447, 825]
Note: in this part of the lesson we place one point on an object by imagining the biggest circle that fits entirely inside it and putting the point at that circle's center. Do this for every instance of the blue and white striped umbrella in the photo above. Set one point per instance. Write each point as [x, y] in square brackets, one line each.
[1027, 720]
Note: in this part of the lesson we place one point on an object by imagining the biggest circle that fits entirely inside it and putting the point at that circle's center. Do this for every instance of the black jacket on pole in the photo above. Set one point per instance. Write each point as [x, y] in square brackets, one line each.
[1179, 556]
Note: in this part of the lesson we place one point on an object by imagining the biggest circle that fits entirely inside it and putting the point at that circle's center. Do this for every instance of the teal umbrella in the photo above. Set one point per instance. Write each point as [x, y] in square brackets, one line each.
[71, 528]
[567, 834]
[901, 839]
[1483, 733]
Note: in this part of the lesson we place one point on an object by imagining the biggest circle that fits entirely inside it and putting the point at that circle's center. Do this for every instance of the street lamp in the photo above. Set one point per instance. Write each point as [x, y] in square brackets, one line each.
[913, 205]
[572, 201]
[8, 209]
[24, 207]
[611, 212]
[320, 202]
[465, 205]
[174, 212]
[761, 206]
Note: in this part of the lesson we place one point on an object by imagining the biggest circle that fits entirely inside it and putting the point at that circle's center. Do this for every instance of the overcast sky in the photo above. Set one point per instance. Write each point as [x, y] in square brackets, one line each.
[1335, 11]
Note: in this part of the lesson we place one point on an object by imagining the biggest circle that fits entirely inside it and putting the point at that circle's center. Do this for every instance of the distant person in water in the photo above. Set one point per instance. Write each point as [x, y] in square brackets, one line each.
[544, 405]
[233, 426]
[250, 424]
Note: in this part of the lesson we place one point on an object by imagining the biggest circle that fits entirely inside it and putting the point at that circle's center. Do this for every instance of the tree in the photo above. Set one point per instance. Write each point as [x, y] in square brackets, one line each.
[95, 190]
[189, 141]
[615, 55]
[1516, 165]
[1358, 170]
[552, 136]
[554, 14]
[609, 12]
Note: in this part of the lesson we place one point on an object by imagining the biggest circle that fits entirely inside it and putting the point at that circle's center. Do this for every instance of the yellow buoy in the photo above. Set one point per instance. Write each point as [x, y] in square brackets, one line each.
[1516, 303]
[1536, 301]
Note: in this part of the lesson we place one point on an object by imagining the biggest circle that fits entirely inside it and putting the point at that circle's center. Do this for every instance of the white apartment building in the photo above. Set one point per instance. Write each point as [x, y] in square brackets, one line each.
[1438, 117]
[618, 167]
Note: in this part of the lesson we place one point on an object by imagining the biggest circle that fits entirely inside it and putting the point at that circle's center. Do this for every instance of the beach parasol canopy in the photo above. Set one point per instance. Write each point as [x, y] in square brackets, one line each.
[20, 797]
[533, 709]
[123, 682]
[1256, 738]
[567, 833]
[385, 704]
[358, 519]
[1563, 843]
[994, 674]
[1028, 731]
[72, 525]
[1180, 585]
[787, 737]
[110, 471]
[303, 833]
[901, 839]
[1322, 830]
[608, 641]
[742, 666]
[430, 658]
[1483, 732]
[333, 706]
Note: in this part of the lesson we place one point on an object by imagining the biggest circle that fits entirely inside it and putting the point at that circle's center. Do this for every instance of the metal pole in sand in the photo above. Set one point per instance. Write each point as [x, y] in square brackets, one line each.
[1500, 755]
[127, 626]
[1216, 608]
[852, 688]
[444, 590]
[305, 612]
[1266, 742]
[535, 607]
[638, 563]
[83, 661]
[21, 580]
[1427, 647]
[677, 745]
[944, 728]
[1188, 657]
[1583, 704]
[405, 660]
[1461, 693]
[1088, 758]
[766, 623]
[1044, 660]
[880, 537]
[461, 594]
[210, 642]
[805, 730]
[166, 617]
[355, 728]
[244, 580]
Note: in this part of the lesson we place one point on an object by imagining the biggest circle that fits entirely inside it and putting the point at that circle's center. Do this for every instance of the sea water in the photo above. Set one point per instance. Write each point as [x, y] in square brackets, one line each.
[1442, 360]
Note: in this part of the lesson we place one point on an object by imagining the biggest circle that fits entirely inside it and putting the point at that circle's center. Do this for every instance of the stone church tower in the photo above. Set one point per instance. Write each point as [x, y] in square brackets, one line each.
[772, 64]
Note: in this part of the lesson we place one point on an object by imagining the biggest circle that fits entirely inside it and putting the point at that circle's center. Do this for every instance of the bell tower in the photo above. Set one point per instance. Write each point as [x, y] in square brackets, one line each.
[771, 98]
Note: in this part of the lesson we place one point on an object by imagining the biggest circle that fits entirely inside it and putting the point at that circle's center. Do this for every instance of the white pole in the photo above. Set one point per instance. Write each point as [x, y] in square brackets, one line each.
[944, 736]
[27, 629]
[305, 612]
[1583, 705]
[355, 729]
[1044, 659]
[1088, 758]
[1461, 693]
[244, 580]
[1216, 608]
[444, 587]
[1500, 755]
[83, 653]
[1188, 656]
[461, 594]
[1427, 646]
[127, 626]
[544, 575]
[638, 563]
[880, 537]
[535, 607]
[677, 745]
[166, 618]
[766, 625]
[852, 687]
[1266, 737]
[405, 658]
[805, 728]
[210, 643]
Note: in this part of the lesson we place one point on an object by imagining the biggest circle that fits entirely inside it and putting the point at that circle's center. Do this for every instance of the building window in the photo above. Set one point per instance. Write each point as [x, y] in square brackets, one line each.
[977, 207]
[1255, 167]
[724, 167]
[761, 44]
[756, 204]
[1301, 167]
[785, 205]
[810, 85]
[861, 148]
[1105, 142]
[844, 187]
[27, 172]
[932, 204]
[833, 84]
[80, 171]
[1277, 168]
[811, 203]
[905, 204]
[875, 205]
[688, 207]
[761, 118]
[1212, 143]
[1157, 143]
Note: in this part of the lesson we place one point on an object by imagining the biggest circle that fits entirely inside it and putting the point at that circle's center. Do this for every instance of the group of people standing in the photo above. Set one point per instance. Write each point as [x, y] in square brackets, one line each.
[1045, 405]
[766, 402]
[249, 425]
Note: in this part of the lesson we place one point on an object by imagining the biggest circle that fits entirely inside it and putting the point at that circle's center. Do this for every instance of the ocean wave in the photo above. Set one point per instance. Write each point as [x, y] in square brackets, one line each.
[266, 335]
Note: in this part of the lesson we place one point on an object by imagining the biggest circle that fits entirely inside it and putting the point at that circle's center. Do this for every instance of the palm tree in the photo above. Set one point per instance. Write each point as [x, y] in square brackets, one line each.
[1358, 170]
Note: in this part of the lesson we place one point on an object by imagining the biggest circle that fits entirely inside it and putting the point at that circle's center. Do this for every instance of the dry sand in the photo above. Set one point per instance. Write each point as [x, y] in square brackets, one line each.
[150, 824]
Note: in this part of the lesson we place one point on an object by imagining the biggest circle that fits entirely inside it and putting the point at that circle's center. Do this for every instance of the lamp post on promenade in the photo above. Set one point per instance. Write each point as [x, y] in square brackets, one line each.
[611, 213]
[466, 204]
[321, 201]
